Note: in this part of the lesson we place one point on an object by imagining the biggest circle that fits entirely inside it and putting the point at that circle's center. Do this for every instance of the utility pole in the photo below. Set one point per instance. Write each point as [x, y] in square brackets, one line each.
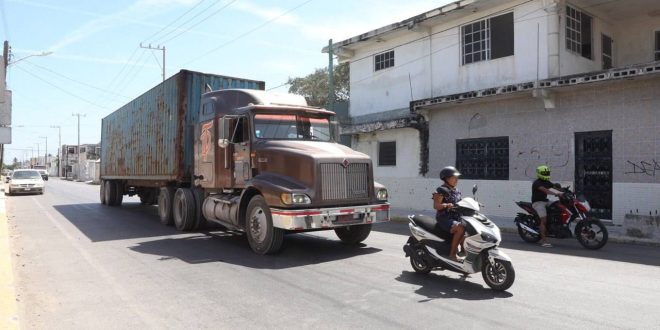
[331, 78]
[37, 153]
[46, 152]
[59, 145]
[79, 115]
[158, 47]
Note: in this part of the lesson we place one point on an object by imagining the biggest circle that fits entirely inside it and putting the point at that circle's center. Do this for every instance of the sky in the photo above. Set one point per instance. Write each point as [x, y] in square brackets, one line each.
[95, 65]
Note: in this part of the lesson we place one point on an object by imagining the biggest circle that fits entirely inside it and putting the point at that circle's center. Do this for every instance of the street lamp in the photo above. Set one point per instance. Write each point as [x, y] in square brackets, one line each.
[26, 57]
[59, 145]
[45, 152]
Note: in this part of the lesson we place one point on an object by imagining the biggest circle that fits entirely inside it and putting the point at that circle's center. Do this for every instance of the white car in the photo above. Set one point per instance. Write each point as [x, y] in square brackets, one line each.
[25, 182]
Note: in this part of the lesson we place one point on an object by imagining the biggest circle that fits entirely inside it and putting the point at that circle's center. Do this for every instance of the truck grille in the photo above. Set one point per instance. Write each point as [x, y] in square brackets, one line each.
[339, 182]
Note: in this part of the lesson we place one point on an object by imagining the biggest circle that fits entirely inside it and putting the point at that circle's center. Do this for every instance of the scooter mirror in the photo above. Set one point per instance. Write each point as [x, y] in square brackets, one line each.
[474, 189]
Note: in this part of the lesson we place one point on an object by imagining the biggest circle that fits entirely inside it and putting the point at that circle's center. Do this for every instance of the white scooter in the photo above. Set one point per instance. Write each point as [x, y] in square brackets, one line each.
[428, 246]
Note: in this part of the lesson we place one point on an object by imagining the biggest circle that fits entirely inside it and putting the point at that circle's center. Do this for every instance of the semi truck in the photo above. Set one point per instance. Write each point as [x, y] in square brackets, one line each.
[209, 148]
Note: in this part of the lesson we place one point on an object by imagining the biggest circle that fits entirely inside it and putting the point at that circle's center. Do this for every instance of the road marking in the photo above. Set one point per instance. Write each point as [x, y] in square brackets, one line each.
[103, 273]
[8, 310]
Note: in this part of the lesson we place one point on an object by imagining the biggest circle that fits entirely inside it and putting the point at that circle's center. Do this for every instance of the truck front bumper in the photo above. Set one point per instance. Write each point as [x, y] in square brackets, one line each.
[328, 218]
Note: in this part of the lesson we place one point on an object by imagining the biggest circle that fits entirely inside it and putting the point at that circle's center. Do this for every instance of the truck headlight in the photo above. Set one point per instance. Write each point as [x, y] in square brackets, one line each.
[295, 199]
[382, 195]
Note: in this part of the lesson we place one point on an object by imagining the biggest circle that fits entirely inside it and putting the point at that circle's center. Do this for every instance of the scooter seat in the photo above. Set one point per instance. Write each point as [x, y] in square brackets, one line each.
[431, 225]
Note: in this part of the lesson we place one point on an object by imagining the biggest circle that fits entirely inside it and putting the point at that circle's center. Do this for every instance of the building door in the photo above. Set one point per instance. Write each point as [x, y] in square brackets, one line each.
[593, 170]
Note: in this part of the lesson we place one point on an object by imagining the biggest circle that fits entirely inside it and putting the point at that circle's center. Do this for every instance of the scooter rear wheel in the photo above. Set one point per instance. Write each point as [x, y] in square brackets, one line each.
[418, 264]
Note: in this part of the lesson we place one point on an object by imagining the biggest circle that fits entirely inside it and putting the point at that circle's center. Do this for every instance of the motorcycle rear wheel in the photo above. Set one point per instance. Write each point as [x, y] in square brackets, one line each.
[499, 276]
[418, 264]
[527, 236]
[588, 232]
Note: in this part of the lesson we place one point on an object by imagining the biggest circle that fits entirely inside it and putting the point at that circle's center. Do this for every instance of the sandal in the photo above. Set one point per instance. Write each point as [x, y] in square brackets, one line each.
[546, 245]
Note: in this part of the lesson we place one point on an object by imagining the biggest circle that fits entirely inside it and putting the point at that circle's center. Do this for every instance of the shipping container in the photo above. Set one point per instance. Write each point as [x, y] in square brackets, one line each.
[151, 137]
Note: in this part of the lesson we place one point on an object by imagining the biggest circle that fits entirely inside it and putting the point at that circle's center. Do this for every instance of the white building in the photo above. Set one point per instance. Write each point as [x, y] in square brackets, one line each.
[80, 166]
[499, 87]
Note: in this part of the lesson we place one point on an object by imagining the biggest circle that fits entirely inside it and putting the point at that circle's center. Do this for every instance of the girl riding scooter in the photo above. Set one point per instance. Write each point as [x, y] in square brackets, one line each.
[445, 198]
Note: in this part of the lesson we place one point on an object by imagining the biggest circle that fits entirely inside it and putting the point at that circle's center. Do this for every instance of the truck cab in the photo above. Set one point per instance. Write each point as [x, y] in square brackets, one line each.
[268, 164]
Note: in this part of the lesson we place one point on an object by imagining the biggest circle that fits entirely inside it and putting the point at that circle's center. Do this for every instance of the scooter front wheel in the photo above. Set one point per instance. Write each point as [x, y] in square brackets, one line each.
[418, 264]
[499, 275]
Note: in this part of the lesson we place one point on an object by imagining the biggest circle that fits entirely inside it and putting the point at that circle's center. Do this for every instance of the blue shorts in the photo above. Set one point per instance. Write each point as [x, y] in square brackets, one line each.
[446, 223]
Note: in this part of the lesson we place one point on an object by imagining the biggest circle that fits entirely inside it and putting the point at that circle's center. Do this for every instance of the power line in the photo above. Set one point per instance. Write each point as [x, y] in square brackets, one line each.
[249, 32]
[136, 72]
[187, 21]
[73, 80]
[276, 87]
[125, 80]
[201, 21]
[62, 89]
[174, 21]
[112, 82]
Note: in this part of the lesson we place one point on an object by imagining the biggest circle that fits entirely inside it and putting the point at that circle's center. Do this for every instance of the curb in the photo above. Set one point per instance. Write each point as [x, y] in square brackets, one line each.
[8, 308]
[509, 230]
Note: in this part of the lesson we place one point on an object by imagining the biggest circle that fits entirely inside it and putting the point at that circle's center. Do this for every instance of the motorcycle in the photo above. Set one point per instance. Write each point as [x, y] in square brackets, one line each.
[589, 231]
[428, 246]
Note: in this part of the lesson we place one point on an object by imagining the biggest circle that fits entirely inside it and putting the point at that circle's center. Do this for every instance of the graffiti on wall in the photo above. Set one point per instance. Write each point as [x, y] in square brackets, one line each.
[649, 168]
[556, 156]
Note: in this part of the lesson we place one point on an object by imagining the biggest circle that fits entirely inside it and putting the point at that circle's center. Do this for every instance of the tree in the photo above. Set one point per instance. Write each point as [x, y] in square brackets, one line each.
[314, 87]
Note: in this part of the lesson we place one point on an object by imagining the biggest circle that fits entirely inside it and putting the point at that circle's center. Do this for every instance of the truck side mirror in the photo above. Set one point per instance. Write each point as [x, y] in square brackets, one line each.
[223, 143]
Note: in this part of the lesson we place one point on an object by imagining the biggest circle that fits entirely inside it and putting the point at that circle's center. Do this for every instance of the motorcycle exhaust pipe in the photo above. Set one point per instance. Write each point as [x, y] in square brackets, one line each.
[528, 229]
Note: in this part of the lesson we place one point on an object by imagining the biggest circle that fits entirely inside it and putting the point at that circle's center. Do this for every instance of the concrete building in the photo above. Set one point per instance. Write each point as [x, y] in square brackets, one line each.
[499, 87]
[81, 166]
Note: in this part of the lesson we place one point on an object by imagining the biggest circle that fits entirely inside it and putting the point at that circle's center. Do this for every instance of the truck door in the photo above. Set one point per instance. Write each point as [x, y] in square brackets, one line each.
[205, 155]
[238, 136]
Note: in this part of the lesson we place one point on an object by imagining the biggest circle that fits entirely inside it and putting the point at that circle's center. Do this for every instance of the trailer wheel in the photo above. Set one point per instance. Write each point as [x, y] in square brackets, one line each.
[353, 234]
[102, 192]
[165, 199]
[110, 193]
[184, 209]
[119, 191]
[263, 237]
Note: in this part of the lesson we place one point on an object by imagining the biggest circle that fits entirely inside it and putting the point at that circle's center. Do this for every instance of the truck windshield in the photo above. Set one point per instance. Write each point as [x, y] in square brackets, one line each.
[291, 127]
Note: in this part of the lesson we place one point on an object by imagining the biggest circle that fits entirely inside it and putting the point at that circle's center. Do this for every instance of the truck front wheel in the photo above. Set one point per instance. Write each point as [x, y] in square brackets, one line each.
[262, 236]
[165, 200]
[353, 234]
[184, 209]
[110, 191]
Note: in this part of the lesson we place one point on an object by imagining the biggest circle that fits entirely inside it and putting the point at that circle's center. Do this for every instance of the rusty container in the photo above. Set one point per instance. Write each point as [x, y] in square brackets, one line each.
[151, 137]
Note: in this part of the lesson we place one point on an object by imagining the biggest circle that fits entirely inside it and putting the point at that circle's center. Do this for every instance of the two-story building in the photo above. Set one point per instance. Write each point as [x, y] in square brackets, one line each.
[498, 87]
[79, 166]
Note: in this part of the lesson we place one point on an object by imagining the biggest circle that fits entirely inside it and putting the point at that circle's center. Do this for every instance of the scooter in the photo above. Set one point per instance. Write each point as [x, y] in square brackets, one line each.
[428, 246]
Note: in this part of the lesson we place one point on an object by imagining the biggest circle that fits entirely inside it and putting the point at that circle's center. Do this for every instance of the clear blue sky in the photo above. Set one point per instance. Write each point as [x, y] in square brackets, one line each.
[96, 65]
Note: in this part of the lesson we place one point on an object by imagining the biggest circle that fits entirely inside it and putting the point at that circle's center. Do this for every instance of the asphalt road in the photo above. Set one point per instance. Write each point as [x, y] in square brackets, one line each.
[79, 264]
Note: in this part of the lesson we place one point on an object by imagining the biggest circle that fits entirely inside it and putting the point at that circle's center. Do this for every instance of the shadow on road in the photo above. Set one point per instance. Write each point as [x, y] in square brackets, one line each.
[103, 223]
[434, 286]
[638, 254]
[218, 246]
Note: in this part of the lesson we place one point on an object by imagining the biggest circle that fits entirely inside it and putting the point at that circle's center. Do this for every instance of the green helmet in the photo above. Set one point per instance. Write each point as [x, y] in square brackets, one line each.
[543, 173]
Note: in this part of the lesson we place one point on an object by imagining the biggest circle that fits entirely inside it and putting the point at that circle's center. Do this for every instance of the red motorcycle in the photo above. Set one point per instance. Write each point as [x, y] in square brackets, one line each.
[569, 209]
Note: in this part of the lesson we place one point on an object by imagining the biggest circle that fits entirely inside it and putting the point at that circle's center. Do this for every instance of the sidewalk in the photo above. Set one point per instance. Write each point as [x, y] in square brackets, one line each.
[8, 309]
[506, 225]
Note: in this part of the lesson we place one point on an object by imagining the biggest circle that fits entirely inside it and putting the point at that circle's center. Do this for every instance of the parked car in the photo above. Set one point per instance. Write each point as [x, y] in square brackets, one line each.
[26, 182]
[44, 174]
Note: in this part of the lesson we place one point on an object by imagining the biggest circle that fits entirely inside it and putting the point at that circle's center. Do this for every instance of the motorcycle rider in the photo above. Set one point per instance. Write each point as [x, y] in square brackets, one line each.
[444, 198]
[540, 191]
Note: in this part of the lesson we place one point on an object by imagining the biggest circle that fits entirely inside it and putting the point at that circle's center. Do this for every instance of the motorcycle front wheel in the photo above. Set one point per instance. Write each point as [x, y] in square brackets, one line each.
[591, 233]
[418, 264]
[499, 276]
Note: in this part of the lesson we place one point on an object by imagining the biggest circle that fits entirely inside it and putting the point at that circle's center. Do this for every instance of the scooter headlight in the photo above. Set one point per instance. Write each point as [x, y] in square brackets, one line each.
[488, 237]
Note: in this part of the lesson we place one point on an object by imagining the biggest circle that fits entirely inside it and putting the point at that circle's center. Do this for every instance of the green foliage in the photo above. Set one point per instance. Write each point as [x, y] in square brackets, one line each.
[314, 87]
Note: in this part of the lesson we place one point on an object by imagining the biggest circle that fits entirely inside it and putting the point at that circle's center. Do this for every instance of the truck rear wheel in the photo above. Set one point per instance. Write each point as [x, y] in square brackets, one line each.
[102, 192]
[165, 200]
[263, 237]
[119, 192]
[110, 191]
[200, 221]
[184, 209]
[353, 234]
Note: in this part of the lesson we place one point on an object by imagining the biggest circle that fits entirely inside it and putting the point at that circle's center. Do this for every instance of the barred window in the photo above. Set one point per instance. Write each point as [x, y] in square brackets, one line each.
[607, 52]
[488, 39]
[384, 60]
[484, 158]
[578, 32]
[387, 153]
[657, 45]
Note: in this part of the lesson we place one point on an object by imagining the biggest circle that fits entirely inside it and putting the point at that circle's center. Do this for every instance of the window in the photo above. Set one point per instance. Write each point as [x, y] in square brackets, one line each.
[384, 60]
[71, 150]
[657, 45]
[387, 153]
[607, 52]
[488, 39]
[291, 127]
[578, 32]
[485, 158]
[83, 150]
